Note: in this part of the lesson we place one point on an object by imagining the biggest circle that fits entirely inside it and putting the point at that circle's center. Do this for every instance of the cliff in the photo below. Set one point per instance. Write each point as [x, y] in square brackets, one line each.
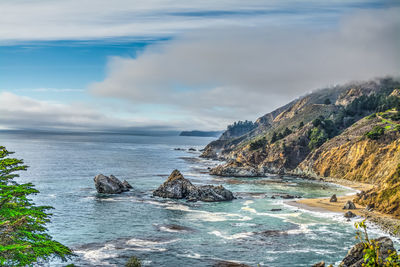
[347, 132]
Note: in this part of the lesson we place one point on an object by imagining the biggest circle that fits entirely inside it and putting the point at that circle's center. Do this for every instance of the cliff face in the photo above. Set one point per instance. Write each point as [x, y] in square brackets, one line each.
[351, 155]
[312, 137]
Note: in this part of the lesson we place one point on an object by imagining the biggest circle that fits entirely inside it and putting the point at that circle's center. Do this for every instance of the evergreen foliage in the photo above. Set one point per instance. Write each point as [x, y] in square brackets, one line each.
[317, 137]
[23, 236]
[375, 133]
[260, 143]
[241, 127]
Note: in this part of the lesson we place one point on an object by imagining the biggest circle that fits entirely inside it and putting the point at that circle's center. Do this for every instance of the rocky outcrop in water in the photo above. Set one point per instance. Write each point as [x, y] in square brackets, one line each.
[178, 187]
[349, 205]
[236, 169]
[110, 184]
[349, 215]
[354, 257]
[333, 198]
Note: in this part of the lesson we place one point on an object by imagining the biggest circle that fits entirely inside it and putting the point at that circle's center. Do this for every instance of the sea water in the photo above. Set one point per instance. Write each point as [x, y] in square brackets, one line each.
[106, 230]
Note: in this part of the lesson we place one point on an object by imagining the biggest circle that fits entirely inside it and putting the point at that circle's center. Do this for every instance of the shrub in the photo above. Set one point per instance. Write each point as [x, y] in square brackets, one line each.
[274, 138]
[375, 133]
[301, 124]
[260, 143]
[133, 262]
[317, 137]
[327, 101]
[372, 251]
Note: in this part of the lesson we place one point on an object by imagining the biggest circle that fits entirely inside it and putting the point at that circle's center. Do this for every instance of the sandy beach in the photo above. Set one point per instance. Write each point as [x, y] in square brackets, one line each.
[385, 221]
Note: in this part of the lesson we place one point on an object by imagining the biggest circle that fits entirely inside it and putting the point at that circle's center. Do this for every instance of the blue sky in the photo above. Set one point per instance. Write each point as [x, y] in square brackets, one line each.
[95, 65]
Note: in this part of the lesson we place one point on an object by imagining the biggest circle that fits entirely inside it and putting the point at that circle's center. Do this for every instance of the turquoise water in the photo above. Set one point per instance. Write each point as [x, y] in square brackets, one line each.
[107, 230]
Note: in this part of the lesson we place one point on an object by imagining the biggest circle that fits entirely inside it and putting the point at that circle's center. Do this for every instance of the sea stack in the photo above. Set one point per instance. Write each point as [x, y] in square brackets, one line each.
[110, 185]
[178, 187]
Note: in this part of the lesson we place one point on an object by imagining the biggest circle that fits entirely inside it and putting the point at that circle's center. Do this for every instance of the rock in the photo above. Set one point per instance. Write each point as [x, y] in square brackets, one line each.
[175, 228]
[349, 215]
[228, 264]
[354, 257]
[127, 185]
[319, 264]
[349, 205]
[236, 169]
[370, 207]
[276, 209]
[110, 185]
[287, 196]
[333, 198]
[178, 187]
[192, 149]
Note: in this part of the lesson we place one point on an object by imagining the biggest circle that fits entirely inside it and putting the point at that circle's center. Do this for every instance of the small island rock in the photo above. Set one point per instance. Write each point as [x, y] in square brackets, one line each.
[333, 198]
[349, 215]
[349, 205]
[319, 264]
[110, 185]
[178, 187]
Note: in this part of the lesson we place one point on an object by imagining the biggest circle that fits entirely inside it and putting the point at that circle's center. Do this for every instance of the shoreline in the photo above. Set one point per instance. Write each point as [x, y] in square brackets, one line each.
[386, 222]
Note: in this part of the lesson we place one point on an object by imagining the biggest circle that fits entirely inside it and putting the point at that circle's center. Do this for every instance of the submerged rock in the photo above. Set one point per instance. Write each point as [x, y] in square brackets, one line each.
[178, 187]
[354, 257]
[349, 215]
[349, 205]
[333, 198]
[319, 264]
[110, 185]
[229, 264]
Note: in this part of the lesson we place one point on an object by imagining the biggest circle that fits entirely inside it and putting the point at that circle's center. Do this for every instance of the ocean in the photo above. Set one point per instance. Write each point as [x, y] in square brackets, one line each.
[105, 230]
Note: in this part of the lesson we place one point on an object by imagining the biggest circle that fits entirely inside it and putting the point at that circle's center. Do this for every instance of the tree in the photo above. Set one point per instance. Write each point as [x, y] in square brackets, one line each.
[274, 138]
[23, 236]
[327, 101]
[287, 131]
[317, 138]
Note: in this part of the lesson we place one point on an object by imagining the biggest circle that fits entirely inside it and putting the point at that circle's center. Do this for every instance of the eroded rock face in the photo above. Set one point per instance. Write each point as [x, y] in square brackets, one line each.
[110, 185]
[354, 257]
[178, 187]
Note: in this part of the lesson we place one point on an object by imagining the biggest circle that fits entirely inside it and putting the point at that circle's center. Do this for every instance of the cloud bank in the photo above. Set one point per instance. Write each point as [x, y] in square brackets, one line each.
[234, 73]
[46, 20]
[21, 112]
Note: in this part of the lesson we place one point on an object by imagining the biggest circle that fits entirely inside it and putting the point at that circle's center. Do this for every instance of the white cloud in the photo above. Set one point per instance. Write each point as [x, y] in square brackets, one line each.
[22, 20]
[26, 113]
[244, 72]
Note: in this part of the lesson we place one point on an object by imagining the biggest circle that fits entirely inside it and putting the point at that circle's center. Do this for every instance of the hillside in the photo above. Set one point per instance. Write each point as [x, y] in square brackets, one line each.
[347, 132]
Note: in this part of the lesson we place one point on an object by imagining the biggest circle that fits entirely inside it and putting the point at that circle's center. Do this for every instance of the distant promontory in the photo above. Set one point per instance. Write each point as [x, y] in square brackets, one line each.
[201, 133]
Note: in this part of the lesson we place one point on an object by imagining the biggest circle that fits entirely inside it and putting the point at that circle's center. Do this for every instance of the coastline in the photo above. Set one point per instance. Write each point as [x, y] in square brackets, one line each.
[386, 222]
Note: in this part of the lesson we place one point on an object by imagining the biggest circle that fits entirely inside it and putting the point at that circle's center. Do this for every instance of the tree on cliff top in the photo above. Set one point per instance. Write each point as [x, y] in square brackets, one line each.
[23, 236]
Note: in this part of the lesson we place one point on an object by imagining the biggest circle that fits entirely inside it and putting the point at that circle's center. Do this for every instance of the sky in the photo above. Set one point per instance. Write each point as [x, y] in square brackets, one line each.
[100, 65]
